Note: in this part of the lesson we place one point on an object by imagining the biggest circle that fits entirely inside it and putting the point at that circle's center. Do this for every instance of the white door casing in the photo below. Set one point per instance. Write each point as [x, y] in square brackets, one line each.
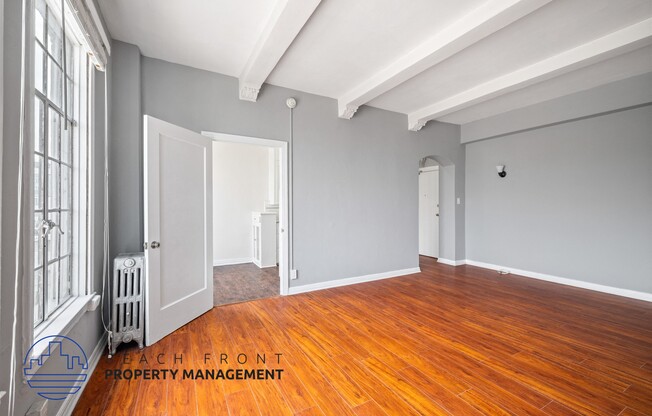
[178, 216]
[284, 191]
[429, 211]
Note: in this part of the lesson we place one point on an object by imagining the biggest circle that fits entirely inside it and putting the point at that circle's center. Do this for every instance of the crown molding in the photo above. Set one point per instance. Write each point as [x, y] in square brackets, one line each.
[348, 111]
[249, 93]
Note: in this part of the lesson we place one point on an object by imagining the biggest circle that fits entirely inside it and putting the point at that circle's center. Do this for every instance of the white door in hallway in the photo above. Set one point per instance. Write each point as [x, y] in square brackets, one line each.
[429, 211]
[178, 223]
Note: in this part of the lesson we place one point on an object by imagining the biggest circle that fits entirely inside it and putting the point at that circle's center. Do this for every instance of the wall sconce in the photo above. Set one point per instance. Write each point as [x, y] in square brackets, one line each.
[501, 171]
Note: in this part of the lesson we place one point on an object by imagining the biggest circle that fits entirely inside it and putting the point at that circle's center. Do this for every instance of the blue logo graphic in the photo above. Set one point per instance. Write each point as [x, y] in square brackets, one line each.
[63, 382]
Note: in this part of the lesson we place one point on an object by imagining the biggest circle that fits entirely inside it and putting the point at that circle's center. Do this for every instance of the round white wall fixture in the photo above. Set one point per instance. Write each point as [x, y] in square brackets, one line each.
[291, 102]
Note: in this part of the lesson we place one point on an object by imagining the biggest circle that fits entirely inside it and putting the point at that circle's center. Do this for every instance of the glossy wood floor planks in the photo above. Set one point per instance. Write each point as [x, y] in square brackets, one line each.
[447, 341]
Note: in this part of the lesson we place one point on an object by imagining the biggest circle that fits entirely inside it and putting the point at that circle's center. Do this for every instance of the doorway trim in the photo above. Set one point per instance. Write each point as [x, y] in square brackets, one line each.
[284, 192]
[428, 169]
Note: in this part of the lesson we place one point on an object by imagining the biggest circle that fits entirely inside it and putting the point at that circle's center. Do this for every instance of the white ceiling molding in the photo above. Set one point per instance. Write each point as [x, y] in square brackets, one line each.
[476, 25]
[621, 67]
[249, 92]
[625, 40]
[284, 24]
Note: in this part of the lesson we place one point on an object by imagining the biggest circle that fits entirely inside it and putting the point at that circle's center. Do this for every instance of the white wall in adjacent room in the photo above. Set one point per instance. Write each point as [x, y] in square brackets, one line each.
[240, 186]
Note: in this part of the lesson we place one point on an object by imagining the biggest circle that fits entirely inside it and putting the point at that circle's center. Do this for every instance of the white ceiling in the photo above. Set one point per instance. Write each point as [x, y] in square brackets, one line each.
[346, 41]
[215, 35]
[454, 61]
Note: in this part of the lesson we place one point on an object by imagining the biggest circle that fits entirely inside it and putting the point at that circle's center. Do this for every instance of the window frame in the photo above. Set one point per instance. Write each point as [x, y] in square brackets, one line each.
[61, 319]
[50, 109]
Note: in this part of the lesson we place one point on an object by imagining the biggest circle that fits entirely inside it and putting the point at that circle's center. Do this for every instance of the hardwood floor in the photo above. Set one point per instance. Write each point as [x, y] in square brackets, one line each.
[242, 282]
[447, 341]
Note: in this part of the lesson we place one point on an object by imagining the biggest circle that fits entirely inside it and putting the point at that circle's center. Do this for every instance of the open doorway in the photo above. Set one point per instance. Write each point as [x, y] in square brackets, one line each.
[249, 217]
[429, 208]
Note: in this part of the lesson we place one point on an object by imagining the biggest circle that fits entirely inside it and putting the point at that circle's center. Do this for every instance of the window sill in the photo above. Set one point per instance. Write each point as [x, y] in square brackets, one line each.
[61, 324]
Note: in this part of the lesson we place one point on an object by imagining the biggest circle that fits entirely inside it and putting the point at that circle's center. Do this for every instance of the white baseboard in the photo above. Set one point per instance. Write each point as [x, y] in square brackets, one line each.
[70, 402]
[451, 262]
[228, 262]
[351, 280]
[568, 282]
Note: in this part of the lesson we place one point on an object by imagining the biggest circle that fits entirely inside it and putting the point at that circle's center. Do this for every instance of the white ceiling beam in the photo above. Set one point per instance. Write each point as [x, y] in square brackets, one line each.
[476, 25]
[284, 24]
[614, 44]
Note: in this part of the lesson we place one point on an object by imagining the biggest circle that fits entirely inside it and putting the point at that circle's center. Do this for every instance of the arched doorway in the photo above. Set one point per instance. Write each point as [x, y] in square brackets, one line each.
[441, 207]
[429, 211]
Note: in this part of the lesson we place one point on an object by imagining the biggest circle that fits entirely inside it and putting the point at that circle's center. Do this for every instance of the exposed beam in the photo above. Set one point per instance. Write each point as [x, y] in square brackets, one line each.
[284, 24]
[478, 24]
[609, 46]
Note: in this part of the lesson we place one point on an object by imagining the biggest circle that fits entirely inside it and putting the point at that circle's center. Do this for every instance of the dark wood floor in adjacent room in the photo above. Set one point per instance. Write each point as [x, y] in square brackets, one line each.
[450, 340]
[242, 282]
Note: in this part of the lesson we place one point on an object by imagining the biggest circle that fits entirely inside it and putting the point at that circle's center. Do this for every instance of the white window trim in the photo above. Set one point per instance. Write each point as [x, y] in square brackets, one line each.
[68, 314]
[62, 321]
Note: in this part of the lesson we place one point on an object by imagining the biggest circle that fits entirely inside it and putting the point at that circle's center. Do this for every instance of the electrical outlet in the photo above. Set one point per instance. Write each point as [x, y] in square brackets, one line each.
[294, 274]
[459, 201]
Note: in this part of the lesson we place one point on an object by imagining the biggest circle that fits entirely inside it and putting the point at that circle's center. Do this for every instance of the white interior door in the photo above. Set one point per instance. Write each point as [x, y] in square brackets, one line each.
[178, 227]
[429, 212]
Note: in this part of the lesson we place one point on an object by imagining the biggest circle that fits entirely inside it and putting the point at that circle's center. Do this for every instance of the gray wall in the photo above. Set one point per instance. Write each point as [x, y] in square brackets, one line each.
[125, 151]
[355, 181]
[87, 331]
[576, 202]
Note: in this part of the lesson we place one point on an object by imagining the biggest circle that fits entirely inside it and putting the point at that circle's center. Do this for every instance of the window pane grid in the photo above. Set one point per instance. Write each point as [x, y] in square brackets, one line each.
[54, 136]
[54, 60]
[55, 83]
[58, 259]
[39, 21]
[40, 60]
[53, 39]
[38, 242]
[38, 296]
[54, 107]
[57, 161]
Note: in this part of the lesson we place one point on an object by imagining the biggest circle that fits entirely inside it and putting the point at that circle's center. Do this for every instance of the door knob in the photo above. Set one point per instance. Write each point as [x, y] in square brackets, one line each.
[155, 244]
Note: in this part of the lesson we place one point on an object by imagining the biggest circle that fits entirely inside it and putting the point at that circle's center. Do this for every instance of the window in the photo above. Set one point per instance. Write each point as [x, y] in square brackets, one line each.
[59, 164]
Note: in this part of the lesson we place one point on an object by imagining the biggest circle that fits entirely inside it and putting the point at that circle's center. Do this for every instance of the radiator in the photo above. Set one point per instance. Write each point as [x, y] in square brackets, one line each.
[127, 313]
